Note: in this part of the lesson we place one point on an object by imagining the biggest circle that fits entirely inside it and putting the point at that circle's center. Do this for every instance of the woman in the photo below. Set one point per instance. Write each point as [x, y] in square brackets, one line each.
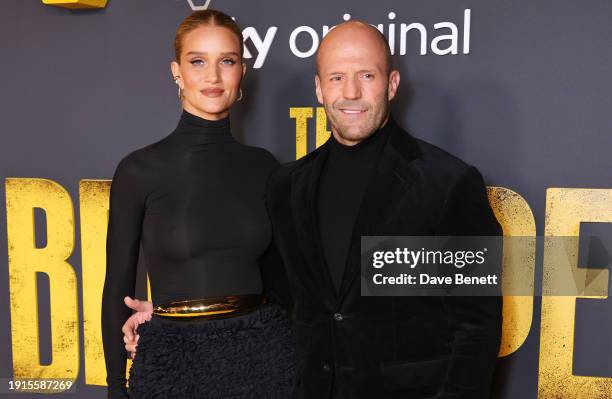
[195, 202]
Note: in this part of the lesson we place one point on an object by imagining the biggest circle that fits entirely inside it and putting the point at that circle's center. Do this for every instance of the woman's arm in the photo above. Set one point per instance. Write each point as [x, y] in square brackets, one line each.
[122, 247]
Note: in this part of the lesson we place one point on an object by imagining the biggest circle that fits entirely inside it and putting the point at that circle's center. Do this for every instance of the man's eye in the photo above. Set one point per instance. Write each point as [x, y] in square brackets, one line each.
[368, 75]
[336, 78]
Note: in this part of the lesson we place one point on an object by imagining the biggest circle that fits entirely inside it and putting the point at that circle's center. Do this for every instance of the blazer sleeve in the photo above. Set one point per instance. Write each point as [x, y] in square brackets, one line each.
[475, 321]
[122, 247]
[274, 278]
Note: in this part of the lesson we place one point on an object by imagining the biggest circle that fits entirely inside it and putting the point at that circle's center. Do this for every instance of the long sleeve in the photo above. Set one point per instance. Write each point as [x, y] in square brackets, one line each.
[122, 247]
[476, 321]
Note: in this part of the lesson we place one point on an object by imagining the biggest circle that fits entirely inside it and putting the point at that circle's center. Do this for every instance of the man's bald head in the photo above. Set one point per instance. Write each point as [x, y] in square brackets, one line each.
[347, 33]
[355, 81]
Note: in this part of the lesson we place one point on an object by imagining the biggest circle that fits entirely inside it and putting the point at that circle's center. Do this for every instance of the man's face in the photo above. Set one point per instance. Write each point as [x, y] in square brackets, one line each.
[353, 82]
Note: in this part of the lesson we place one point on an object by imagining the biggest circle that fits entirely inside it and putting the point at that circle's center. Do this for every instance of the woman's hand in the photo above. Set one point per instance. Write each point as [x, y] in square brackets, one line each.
[144, 310]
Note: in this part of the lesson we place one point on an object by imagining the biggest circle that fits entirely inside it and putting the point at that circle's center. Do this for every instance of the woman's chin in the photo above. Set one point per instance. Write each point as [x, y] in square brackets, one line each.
[212, 113]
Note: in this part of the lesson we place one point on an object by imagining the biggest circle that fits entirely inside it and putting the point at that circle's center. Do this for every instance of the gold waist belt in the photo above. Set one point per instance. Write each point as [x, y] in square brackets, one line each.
[214, 307]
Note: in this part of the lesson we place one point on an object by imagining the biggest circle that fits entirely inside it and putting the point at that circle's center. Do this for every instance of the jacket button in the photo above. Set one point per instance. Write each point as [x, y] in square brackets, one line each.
[326, 368]
[338, 317]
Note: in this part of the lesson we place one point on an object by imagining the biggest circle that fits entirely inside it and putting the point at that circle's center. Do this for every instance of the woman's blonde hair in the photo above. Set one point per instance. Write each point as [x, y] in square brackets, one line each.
[205, 17]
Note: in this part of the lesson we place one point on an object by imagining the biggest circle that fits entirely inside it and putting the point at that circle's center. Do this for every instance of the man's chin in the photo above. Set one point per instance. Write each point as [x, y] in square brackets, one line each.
[353, 135]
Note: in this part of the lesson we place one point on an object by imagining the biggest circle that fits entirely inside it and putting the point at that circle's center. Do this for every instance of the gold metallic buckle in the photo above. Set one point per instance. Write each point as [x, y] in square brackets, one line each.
[225, 306]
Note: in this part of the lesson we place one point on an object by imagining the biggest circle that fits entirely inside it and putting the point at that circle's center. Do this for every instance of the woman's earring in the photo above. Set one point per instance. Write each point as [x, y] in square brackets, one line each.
[240, 95]
[180, 92]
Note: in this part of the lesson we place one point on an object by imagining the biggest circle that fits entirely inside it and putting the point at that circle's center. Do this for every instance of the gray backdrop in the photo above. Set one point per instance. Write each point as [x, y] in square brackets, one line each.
[529, 106]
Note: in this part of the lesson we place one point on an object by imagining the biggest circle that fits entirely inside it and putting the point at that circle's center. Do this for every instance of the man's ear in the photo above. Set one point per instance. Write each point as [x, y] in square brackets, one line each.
[176, 73]
[318, 89]
[394, 80]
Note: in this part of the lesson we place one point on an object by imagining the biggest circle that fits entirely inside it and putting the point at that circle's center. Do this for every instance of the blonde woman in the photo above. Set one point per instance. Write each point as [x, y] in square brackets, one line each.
[194, 201]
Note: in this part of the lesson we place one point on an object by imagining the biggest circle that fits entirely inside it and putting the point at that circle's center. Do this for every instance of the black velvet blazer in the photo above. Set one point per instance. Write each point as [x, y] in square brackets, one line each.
[385, 347]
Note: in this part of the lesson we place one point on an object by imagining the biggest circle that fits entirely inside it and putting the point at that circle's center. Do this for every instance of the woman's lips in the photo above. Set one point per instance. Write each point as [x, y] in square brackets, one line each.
[212, 92]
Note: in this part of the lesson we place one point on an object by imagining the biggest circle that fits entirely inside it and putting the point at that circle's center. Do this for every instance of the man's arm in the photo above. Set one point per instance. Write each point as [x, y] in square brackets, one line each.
[476, 321]
[144, 310]
[274, 278]
[273, 272]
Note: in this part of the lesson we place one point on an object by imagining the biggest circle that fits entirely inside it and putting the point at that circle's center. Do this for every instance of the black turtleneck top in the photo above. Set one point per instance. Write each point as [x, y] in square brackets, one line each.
[343, 181]
[194, 202]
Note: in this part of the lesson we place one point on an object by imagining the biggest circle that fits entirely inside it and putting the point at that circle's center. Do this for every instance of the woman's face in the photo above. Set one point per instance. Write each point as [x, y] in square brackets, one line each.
[209, 71]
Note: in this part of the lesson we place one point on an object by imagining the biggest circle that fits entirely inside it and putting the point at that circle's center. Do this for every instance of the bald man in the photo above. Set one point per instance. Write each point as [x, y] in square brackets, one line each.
[373, 178]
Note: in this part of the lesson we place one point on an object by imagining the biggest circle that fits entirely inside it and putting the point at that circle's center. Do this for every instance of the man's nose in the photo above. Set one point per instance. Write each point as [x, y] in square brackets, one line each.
[352, 89]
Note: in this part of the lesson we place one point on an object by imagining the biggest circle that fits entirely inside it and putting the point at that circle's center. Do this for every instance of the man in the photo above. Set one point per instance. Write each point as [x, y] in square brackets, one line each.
[372, 178]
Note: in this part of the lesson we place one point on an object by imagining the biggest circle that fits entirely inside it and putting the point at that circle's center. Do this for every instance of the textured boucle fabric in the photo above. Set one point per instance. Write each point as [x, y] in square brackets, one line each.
[250, 356]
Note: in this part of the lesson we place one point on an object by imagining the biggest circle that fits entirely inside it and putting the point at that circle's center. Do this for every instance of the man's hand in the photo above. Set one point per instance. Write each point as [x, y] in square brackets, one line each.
[144, 310]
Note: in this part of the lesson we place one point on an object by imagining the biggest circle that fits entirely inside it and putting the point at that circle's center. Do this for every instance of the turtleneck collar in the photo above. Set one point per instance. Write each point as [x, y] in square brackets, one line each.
[194, 129]
[361, 156]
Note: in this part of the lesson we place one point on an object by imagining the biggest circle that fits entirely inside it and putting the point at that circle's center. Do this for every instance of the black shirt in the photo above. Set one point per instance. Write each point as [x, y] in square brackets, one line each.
[194, 201]
[342, 184]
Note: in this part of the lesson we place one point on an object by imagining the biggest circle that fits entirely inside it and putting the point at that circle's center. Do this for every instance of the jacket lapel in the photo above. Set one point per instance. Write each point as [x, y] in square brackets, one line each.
[392, 177]
[304, 183]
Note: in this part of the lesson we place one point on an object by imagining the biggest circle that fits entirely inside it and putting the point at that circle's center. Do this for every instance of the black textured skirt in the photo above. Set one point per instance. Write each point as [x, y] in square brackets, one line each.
[250, 356]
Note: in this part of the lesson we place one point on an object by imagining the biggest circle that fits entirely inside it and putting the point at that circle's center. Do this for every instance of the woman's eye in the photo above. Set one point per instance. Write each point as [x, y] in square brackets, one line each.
[197, 62]
[228, 61]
